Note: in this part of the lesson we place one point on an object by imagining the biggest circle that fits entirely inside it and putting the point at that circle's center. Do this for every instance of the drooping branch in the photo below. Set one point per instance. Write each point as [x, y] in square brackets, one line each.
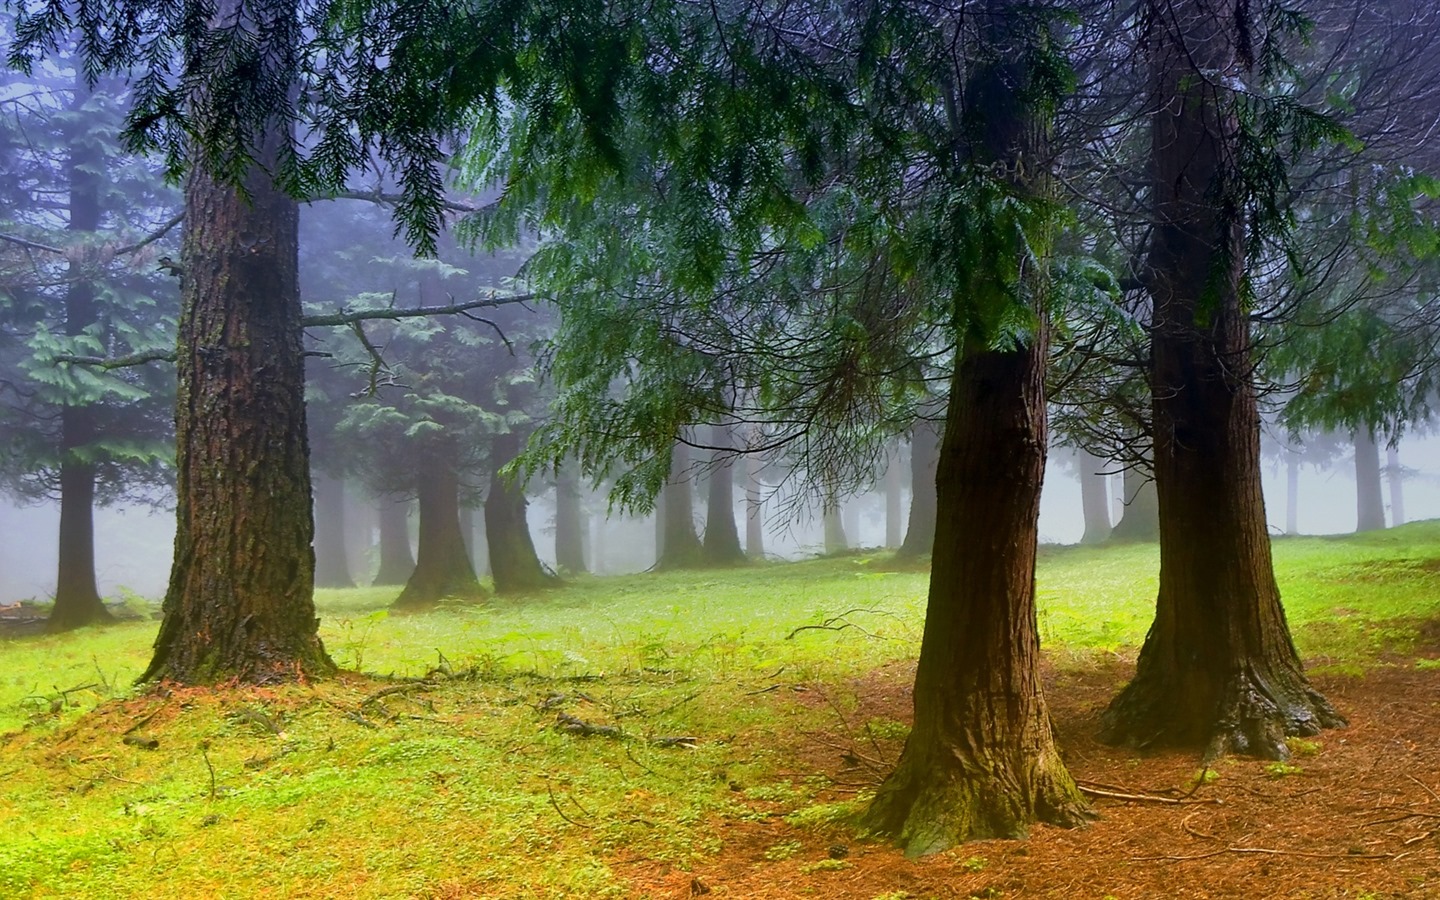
[345, 318]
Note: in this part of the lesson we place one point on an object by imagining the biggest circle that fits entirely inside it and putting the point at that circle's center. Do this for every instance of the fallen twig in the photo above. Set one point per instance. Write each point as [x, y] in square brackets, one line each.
[555, 803]
[1145, 798]
[1267, 851]
[576, 725]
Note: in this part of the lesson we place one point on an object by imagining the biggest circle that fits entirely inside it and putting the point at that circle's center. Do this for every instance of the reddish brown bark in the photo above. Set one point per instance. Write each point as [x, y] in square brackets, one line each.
[981, 760]
[240, 600]
[1218, 669]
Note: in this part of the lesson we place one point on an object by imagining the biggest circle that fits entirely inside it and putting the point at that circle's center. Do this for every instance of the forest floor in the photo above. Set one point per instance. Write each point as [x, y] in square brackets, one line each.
[708, 734]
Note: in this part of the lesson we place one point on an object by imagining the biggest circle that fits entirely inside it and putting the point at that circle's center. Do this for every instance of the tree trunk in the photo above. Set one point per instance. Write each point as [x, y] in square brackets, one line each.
[924, 454]
[513, 562]
[754, 511]
[1395, 475]
[442, 566]
[1292, 492]
[332, 563]
[240, 603]
[680, 547]
[1218, 669]
[834, 525]
[981, 761]
[722, 538]
[1369, 502]
[894, 525]
[1094, 497]
[397, 562]
[1141, 519]
[77, 598]
[569, 522]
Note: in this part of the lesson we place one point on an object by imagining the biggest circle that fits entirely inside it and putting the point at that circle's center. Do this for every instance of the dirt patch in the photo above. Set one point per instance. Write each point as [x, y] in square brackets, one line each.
[1355, 814]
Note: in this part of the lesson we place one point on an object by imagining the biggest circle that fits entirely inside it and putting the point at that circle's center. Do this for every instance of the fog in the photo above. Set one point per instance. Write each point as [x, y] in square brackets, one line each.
[133, 544]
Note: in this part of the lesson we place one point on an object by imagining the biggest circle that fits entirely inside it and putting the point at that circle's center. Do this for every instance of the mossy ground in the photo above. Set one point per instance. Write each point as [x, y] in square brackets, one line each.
[465, 787]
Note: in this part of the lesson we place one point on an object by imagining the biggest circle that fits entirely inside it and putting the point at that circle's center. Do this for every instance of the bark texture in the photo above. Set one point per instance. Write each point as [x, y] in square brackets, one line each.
[924, 455]
[332, 560]
[1369, 498]
[442, 565]
[240, 601]
[513, 562]
[397, 560]
[77, 598]
[722, 538]
[680, 547]
[1218, 669]
[570, 523]
[981, 760]
[1094, 497]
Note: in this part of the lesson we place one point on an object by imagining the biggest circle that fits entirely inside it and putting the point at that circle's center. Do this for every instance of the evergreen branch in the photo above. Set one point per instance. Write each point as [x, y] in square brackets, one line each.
[414, 312]
[388, 199]
[117, 362]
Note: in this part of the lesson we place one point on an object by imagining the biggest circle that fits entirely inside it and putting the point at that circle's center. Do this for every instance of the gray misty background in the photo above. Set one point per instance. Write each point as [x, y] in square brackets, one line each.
[133, 543]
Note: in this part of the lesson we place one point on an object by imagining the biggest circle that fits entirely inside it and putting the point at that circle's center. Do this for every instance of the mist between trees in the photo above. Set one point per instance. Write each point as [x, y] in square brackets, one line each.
[685, 285]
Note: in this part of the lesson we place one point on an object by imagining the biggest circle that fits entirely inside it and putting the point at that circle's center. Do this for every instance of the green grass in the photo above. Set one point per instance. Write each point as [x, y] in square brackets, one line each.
[466, 788]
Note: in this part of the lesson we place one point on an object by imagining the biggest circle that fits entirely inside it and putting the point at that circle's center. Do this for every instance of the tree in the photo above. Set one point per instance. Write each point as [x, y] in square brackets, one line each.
[924, 455]
[680, 546]
[81, 437]
[513, 562]
[1094, 497]
[1218, 668]
[722, 537]
[570, 522]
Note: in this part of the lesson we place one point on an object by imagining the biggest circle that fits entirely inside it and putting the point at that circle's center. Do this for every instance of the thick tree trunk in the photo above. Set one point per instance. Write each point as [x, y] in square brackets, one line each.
[981, 760]
[514, 565]
[332, 562]
[924, 455]
[442, 566]
[894, 525]
[1140, 520]
[1369, 501]
[680, 547]
[77, 598]
[240, 603]
[569, 522]
[754, 511]
[397, 561]
[1218, 669]
[1094, 497]
[1395, 475]
[722, 538]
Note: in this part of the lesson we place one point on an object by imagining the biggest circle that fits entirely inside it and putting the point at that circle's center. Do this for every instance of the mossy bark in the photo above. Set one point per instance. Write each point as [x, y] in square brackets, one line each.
[240, 604]
[1218, 669]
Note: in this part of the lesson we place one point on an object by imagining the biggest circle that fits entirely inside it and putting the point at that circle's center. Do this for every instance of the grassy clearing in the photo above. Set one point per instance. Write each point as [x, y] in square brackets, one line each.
[465, 787]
